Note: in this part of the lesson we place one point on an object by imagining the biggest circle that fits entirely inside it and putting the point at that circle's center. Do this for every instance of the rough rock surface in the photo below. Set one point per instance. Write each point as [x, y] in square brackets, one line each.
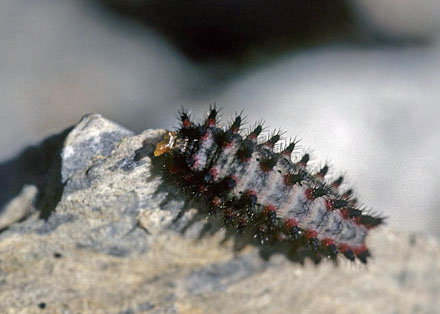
[112, 243]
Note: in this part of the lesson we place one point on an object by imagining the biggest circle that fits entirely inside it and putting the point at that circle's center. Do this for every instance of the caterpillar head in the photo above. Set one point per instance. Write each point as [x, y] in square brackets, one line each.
[167, 144]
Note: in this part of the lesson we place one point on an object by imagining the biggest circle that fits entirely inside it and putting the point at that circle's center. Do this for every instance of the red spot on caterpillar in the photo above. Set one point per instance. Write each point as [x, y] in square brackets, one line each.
[280, 236]
[202, 188]
[343, 247]
[264, 167]
[287, 154]
[186, 123]
[228, 212]
[358, 221]
[267, 164]
[268, 145]
[214, 173]
[244, 159]
[210, 122]
[174, 169]
[251, 192]
[312, 194]
[206, 136]
[344, 212]
[228, 144]
[309, 194]
[327, 241]
[359, 249]
[287, 180]
[291, 179]
[337, 182]
[195, 162]
[216, 201]
[311, 234]
[291, 222]
[269, 208]
[254, 134]
[321, 174]
[304, 160]
[347, 251]
[329, 205]
[271, 213]
[347, 194]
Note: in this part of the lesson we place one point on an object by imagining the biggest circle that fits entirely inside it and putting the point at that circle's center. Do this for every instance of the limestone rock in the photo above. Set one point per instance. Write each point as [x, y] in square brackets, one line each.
[19, 207]
[113, 243]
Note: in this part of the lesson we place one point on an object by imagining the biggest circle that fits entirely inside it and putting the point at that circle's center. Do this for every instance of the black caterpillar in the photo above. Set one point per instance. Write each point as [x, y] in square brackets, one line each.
[257, 189]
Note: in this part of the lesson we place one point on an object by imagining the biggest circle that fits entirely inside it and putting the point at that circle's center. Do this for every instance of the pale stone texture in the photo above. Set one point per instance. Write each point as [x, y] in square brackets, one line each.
[19, 207]
[114, 245]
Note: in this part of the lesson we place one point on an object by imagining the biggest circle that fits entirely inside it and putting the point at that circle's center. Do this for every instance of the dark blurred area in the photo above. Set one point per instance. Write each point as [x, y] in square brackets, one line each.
[210, 29]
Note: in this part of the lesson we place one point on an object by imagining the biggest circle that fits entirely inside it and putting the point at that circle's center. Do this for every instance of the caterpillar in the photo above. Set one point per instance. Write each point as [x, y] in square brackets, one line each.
[256, 188]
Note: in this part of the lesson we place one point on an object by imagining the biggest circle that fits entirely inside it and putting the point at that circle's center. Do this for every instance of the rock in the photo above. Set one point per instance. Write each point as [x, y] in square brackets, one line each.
[19, 207]
[114, 243]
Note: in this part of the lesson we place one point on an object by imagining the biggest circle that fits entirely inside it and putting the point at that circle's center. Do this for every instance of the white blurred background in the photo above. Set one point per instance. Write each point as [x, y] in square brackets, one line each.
[370, 107]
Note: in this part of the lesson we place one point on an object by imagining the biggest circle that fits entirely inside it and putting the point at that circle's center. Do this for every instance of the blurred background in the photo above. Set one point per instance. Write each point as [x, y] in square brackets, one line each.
[357, 80]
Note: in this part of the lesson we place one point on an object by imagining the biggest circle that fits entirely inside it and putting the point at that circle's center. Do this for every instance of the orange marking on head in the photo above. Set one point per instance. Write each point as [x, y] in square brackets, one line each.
[166, 145]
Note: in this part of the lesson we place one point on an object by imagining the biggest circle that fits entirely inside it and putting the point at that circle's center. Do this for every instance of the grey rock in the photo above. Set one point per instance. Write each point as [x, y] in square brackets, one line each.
[19, 207]
[93, 136]
[114, 243]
